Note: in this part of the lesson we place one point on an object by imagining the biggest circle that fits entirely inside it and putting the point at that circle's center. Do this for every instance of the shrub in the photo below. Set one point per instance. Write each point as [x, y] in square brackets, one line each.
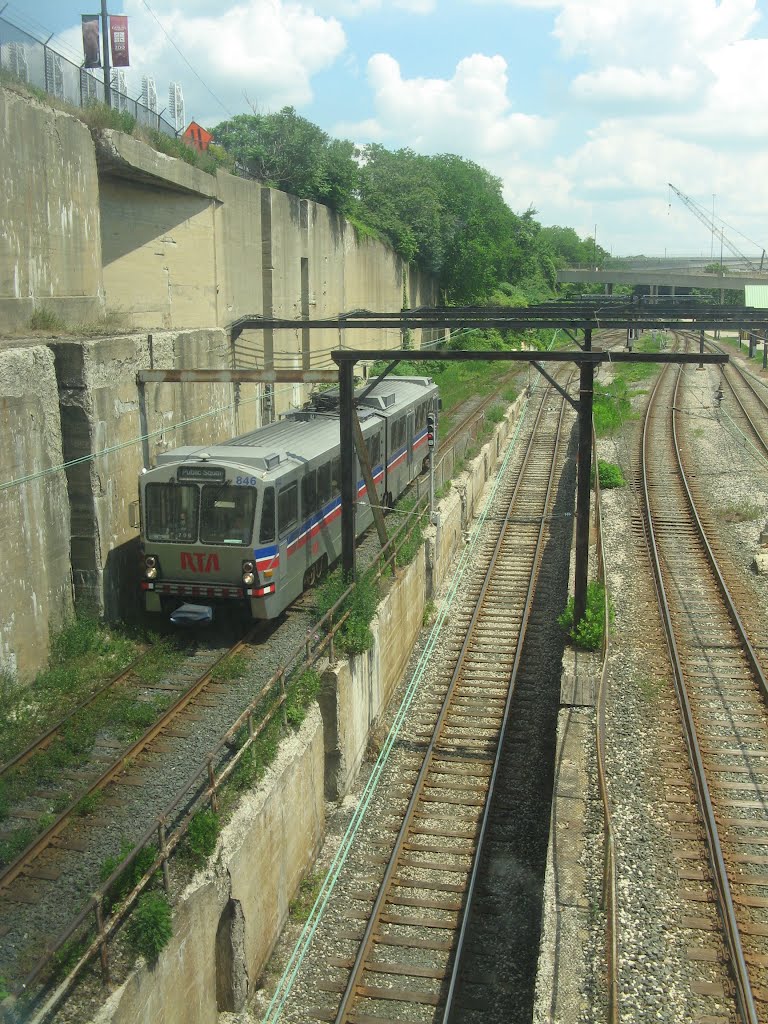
[355, 635]
[150, 927]
[128, 879]
[588, 633]
[44, 319]
[610, 475]
[203, 832]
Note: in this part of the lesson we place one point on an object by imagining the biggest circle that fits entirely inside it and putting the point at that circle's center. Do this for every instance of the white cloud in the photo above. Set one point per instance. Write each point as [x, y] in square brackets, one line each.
[266, 48]
[622, 85]
[651, 31]
[469, 112]
[355, 8]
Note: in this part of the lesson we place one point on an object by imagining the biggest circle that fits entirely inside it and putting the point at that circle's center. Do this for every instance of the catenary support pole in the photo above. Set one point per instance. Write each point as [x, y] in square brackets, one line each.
[583, 474]
[348, 488]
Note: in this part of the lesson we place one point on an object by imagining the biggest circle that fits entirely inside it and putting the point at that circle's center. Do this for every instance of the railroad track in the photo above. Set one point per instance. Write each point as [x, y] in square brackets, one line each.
[62, 850]
[427, 865]
[53, 867]
[722, 694]
[750, 396]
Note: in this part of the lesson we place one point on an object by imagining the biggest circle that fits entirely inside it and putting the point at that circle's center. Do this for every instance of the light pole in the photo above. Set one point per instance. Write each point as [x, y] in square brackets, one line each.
[105, 59]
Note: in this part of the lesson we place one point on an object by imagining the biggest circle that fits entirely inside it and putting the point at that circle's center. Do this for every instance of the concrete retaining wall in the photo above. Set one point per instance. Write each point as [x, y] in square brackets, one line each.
[37, 586]
[50, 252]
[100, 414]
[106, 223]
[230, 917]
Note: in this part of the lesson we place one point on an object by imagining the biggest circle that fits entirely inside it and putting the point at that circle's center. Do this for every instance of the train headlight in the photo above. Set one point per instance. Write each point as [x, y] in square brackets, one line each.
[249, 573]
[150, 567]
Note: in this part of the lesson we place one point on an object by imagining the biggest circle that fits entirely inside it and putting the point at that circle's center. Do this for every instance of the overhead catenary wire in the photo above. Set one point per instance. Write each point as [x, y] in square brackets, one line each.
[132, 442]
[186, 61]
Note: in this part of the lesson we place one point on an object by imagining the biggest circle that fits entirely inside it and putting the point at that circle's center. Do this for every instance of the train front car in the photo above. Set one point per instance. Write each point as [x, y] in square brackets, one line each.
[199, 534]
[251, 523]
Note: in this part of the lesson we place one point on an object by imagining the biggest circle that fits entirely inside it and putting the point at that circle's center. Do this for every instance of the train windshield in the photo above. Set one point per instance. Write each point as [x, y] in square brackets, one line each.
[227, 514]
[172, 512]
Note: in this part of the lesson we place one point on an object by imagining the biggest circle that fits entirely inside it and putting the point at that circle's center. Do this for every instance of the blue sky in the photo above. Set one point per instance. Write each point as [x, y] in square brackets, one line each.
[585, 109]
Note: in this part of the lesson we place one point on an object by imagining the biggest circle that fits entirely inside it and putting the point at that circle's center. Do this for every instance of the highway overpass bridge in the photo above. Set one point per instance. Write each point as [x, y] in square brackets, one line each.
[668, 277]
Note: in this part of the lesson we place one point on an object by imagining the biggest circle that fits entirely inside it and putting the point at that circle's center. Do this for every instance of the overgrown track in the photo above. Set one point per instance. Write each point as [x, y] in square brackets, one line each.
[722, 694]
[416, 906]
[50, 868]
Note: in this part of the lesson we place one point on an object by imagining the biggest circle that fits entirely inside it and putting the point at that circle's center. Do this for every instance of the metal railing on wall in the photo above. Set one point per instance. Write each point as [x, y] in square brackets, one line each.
[35, 63]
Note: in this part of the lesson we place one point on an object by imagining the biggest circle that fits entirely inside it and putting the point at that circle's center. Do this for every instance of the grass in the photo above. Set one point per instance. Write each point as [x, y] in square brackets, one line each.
[233, 667]
[301, 905]
[651, 688]
[741, 512]
[83, 656]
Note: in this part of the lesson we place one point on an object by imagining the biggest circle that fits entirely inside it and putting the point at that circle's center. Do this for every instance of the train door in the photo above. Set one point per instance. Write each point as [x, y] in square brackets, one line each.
[409, 429]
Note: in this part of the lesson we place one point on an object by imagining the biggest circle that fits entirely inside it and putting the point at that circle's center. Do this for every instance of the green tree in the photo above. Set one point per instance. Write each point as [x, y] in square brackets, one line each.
[290, 153]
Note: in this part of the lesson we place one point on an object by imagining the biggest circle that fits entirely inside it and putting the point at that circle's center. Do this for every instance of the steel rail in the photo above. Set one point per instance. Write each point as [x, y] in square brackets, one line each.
[744, 997]
[477, 857]
[45, 739]
[364, 948]
[730, 368]
[44, 840]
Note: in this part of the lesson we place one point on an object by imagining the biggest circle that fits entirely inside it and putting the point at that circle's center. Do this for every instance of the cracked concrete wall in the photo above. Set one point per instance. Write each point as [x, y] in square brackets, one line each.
[100, 414]
[50, 252]
[37, 585]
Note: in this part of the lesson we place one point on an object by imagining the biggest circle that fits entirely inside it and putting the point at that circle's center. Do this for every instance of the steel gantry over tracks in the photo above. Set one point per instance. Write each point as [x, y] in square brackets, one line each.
[583, 316]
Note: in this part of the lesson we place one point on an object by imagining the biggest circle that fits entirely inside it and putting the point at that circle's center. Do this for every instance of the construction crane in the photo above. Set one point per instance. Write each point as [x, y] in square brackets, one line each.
[709, 221]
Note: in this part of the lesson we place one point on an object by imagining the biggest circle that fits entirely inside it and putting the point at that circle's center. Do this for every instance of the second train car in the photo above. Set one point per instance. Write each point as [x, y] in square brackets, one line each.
[251, 523]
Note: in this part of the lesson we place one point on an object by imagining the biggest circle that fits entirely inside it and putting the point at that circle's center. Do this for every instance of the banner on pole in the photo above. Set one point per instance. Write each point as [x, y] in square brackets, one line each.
[91, 40]
[118, 36]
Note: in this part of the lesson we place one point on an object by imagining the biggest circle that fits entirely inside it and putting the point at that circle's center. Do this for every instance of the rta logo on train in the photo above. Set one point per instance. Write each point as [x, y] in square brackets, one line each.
[199, 561]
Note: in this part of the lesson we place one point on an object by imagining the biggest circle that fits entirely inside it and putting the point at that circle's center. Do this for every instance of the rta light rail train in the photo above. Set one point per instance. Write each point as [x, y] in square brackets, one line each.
[251, 523]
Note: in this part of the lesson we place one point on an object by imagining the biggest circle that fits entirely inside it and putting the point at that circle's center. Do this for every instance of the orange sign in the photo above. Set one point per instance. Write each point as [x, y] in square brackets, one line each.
[197, 136]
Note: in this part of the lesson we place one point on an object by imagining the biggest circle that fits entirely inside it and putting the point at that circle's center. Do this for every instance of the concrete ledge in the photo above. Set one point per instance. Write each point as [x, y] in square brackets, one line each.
[564, 949]
[122, 156]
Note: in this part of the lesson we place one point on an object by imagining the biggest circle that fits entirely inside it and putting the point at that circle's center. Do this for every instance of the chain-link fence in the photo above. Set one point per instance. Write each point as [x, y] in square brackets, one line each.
[35, 63]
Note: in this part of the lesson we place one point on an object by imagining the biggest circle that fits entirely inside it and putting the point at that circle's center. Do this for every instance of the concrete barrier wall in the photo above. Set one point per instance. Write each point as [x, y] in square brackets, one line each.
[227, 921]
[49, 244]
[37, 585]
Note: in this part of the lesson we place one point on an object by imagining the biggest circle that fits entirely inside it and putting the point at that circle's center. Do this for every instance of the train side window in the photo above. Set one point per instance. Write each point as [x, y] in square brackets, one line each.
[399, 433]
[288, 507]
[324, 483]
[421, 415]
[267, 531]
[336, 476]
[308, 493]
[374, 447]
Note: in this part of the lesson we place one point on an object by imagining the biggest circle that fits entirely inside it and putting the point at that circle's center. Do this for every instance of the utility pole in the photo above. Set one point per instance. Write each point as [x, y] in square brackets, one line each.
[583, 482]
[105, 48]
